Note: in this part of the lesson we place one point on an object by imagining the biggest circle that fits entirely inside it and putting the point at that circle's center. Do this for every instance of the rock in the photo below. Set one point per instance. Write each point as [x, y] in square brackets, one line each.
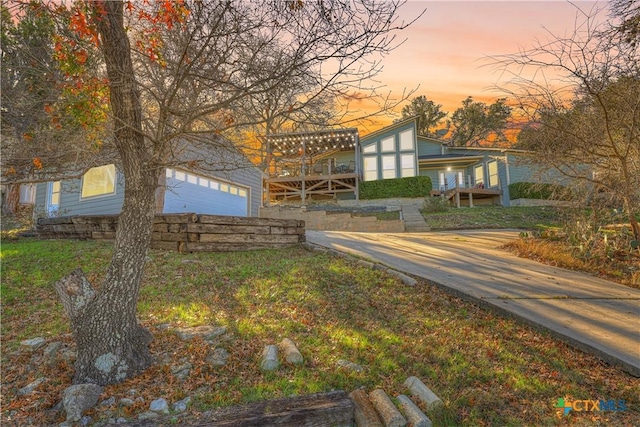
[132, 392]
[345, 364]
[51, 350]
[422, 392]
[182, 371]
[363, 411]
[270, 358]
[206, 332]
[33, 344]
[388, 412]
[181, 405]
[159, 406]
[148, 415]
[218, 357]
[415, 416]
[108, 402]
[291, 352]
[78, 398]
[126, 402]
[29, 388]
[69, 355]
[409, 281]
[86, 420]
[163, 326]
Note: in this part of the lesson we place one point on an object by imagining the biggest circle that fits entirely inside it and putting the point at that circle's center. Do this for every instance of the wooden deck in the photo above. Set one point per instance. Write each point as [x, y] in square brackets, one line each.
[303, 187]
[458, 194]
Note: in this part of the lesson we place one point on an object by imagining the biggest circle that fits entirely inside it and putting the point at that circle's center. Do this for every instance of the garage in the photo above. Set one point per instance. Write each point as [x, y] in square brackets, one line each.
[188, 192]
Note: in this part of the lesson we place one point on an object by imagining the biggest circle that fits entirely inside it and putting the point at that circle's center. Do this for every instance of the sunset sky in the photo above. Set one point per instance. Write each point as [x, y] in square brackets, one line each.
[444, 50]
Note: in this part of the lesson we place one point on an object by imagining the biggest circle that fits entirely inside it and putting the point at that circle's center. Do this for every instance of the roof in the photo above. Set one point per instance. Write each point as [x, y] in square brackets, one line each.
[311, 143]
[388, 128]
[449, 158]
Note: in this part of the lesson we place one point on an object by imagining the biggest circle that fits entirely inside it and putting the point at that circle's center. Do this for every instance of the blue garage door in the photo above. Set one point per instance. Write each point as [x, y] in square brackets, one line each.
[187, 192]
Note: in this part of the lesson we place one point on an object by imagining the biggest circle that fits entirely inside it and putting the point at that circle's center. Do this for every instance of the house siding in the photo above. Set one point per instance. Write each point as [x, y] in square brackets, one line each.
[428, 148]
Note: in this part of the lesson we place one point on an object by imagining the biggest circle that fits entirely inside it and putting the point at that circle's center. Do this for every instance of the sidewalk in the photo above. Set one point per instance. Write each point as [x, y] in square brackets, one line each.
[595, 315]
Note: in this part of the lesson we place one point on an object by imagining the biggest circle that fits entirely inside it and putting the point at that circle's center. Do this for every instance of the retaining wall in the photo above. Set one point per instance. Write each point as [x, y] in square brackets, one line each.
[187, 232]
[321, 220]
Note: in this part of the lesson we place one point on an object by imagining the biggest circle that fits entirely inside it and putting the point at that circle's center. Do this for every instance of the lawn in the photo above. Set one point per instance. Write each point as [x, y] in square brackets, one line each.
[488, 370]
[522, 217]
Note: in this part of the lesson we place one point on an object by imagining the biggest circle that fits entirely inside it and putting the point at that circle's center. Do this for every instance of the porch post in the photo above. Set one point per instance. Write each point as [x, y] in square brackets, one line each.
[357, 171]
[303, 194]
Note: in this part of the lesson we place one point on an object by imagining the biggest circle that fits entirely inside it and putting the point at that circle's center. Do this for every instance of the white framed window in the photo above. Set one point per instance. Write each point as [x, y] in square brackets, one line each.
[224, 187]
[388, 166]
[388, 144]
[168, 173]
[214, 185]
[242, 192]
[478, 175]
[203, 182]
[233, 190]
[192, 179]
[493, 174]
[370, 168]
[371, 148]
[407, 165]
[27, 194]
[406, 140]
[180, 176]
[99, 181]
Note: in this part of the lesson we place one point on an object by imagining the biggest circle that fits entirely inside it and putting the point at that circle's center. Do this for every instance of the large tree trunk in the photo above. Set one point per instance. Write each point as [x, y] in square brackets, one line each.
[112, 346]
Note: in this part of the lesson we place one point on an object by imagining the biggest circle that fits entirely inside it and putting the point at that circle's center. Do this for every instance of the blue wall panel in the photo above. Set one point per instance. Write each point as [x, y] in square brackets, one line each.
[183, 196]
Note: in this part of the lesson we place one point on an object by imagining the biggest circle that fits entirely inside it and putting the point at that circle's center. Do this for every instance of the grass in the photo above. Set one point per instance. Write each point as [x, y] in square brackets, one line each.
[488, 370]
[522, 217]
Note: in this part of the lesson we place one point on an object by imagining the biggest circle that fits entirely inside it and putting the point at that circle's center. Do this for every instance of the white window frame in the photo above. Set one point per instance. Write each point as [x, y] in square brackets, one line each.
[389, 166]
[106, 188]
[406, 140]
[478, 175]
[407, 165]
[370, 168]
[388, 145]
[27, 194]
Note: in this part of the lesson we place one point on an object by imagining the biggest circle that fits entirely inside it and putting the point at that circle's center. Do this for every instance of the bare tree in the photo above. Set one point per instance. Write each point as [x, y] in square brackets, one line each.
[581, 96]
[173, 91]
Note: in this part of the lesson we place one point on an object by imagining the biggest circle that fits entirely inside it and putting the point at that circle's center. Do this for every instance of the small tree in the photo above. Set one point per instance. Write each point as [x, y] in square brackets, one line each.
[584, 122]
[429, 114]
[476, 121]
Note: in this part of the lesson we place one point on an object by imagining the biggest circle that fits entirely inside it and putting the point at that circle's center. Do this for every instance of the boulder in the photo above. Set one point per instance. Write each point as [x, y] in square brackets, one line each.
[79, 398]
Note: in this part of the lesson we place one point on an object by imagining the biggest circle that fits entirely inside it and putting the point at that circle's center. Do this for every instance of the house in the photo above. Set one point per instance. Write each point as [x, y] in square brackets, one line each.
[331, 164]
[230, 185]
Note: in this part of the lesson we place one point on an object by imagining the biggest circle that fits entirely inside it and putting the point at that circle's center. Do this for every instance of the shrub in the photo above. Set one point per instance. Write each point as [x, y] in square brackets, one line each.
[415, 186]
[531, 190]
[435, 204]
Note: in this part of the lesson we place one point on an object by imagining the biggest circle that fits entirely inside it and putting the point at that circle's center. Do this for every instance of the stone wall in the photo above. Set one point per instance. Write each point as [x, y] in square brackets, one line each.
[322, 220]
[186, 232]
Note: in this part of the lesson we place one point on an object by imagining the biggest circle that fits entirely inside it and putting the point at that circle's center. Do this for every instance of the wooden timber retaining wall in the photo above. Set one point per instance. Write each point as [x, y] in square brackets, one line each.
[187, 232]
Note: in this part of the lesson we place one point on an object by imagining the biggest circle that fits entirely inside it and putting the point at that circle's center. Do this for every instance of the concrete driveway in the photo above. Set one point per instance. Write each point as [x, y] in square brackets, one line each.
[592, 314]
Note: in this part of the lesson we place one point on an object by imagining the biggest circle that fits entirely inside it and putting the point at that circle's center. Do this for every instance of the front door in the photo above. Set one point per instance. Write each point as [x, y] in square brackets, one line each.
[448, 180]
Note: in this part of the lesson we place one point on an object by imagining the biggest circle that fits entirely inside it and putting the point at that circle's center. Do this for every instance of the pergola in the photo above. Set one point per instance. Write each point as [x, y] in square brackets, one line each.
[302, 164]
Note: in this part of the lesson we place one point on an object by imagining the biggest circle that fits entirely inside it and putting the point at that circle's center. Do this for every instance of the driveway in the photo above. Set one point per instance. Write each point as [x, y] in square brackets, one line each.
[592, 314]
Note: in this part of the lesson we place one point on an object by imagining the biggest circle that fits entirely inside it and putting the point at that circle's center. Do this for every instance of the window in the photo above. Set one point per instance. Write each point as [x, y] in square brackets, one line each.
[406, 140]
[99, 181]
[214, 185]
[407, 165]
[388, 144]
[192, 179]
[27, 194]
[203, 182]
[180, 176]
[369, 148]
[370, 168]
[388, 167]
[224, 187]
[168, 173]
[233, 190]
[478, 176]
[493, 174]
[242, 193]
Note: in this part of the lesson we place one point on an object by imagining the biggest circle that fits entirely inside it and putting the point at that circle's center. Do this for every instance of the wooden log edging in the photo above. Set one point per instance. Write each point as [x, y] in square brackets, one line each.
[186, 232]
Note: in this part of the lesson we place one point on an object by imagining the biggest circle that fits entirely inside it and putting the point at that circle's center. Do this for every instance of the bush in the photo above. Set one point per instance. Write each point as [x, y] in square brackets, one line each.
[435, 204]
[415, 186]
[531, 190]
